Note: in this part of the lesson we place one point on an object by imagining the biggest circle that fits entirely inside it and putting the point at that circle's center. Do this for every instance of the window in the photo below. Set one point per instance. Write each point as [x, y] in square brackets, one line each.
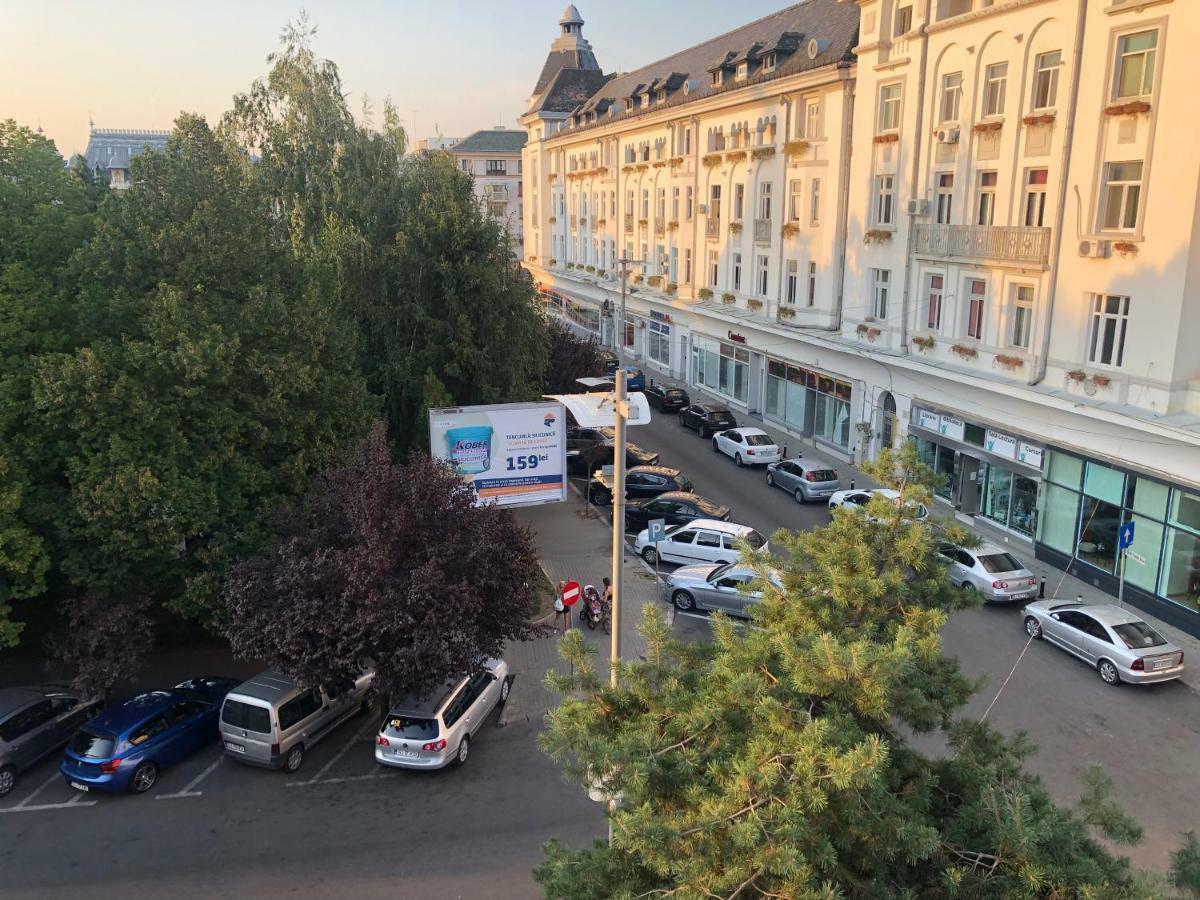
[298, 710]
[687, 265]
[812, 283]
[945, 197]
[1134, 76]
[26, 720]
[675, 204]
[769, 63]
[716, 78]
[497, 210]
[739, 201]
[737, 271]
[976, 294]
[880, 284]
[1035, 197]
[497, 167]
[764, 200]
[466, 165]
[1022, 316]
[1110, 315]
[889, 107]
[1122, 195]
[884, 199]
[743, 70]
[793, 278]
[1045, 79]
[686, 143]
[933, 302]
[660, 206]
[994, 81]
[794, 200]
[714, 206]
[814, 201]
[687, 204]
[713, 268]
[903, 21]
[629, 204]
[987, 198]
[951, 94]
[645, 204]
[149, 729]
[812, 119]
[763, 271]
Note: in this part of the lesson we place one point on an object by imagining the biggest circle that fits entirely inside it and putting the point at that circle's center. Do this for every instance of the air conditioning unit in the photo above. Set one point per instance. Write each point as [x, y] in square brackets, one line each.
[1094, 249]
[702, 208]
[918, 207]
[947, 135]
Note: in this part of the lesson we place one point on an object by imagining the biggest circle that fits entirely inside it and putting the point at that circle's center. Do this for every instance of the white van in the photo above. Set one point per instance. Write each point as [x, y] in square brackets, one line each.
[699, 541]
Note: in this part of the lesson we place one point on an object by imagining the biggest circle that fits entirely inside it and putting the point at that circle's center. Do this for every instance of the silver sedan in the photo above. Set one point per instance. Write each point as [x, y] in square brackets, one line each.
[1120, 645]
[992, 571]
[726, 588]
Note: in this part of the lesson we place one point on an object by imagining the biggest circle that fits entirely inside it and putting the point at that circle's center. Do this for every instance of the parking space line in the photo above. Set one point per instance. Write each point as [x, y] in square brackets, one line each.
[49, 781]
[339, 780]
[77, 802]
[187, 791]
[350, 743]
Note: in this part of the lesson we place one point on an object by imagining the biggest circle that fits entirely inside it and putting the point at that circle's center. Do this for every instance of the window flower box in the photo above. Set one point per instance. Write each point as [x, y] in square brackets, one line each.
[1043, 119]
[553, 262]
[1078, 376]
[600, 273]
[712, 160]
[675, 162]
[735, 227]
[672, 287]
[638, 279]
[552, 177]
[924, 342]
[753, 304]
[628, 169]
[889, 138]
[985, 127]
[589, 269]
[762, 153]
[643, 222]
[1125, 248]
[704, 293]
[873, 333]
[672, 225]
[552, 219]
[964, 351]
[1004, 361]
[786, 312]
[654, 280]
[642, 167]
[861, 329]
[583, 220]
[532, 259]
[728, 299]
[601, 223]
[735, 156]
[1132, 108]
[570, 265]
[660, 165]
[796, 148]
[1101, 380]
[789, 229]
[877, 236]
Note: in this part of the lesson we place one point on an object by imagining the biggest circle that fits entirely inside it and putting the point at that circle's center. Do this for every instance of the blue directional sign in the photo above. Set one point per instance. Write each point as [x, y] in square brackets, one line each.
[1126, 536]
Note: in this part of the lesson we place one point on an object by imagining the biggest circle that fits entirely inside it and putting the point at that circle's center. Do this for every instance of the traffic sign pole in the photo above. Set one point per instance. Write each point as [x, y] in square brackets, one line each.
[1124, 541]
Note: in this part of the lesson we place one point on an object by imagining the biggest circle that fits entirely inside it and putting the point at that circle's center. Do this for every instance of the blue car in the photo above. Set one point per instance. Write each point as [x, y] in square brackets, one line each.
[635, 378]
[125, 747]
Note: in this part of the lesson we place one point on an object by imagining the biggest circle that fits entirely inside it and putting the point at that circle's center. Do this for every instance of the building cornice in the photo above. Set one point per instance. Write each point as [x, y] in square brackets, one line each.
[977, 14]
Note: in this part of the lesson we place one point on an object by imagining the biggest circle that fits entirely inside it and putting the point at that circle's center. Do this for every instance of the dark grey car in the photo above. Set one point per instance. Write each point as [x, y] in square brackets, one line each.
[34, 722]
[804, 479]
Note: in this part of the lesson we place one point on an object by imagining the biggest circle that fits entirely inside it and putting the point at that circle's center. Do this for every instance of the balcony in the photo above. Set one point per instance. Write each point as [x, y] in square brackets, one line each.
[996, 243]
[712, 229]
[762, 231]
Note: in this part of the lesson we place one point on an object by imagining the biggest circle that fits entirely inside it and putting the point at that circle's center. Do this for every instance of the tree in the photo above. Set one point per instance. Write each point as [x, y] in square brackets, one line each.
[569, 357]
[1185, 865]
[385, 562]
[775, 762]
[105, 643]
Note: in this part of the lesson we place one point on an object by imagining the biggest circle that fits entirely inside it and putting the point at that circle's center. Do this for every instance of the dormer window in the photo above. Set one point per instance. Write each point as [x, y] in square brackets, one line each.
[645, 101]
[662, 96]
[743, 70]
[629, 105]
[717, 78]
[769, 63]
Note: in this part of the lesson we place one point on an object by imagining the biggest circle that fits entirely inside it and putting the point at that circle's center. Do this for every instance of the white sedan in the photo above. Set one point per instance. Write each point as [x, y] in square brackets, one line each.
[747, 446]
[860, 497]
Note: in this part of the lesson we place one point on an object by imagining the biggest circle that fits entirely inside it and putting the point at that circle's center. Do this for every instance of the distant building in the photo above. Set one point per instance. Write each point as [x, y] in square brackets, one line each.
[110, 150]
[493, 158]
[435, 143]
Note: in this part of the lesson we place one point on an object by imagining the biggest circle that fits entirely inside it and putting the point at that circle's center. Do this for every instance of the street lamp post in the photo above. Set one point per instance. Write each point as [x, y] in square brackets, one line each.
[621, 411]
[624, 263]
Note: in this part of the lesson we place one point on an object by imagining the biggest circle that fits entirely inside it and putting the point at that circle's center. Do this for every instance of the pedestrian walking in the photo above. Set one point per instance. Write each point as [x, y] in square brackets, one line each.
[561, 610]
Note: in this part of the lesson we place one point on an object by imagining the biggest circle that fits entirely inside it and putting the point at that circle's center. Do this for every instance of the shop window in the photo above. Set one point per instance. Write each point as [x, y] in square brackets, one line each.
[1023, 516]
[1181, 568]
[1064, 469]
[1104, 483]
[1147, 497]
[1185, 510]
[1058, 518]
[1147, 544]
[1098, 532]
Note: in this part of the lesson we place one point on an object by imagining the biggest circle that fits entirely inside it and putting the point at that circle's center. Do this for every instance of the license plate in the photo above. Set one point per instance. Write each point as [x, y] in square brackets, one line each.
[80, 787]
[236, 748]
[1163, 664]
[1026, 595]
[407, 754]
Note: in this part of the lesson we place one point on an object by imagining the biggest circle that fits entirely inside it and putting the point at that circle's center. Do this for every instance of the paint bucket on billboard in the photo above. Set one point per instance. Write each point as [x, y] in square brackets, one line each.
[470, 448]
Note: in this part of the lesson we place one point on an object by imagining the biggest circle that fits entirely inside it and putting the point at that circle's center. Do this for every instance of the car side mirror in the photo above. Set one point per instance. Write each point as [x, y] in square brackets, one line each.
[1055, 617]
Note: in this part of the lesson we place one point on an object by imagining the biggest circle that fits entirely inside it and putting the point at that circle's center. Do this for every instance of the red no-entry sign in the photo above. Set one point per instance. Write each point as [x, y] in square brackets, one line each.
[570, 593]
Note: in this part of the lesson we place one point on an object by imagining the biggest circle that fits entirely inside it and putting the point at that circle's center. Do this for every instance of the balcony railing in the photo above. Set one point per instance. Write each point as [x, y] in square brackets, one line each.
[762, 231]
[712, 228]
[994, 242]
[628, 225]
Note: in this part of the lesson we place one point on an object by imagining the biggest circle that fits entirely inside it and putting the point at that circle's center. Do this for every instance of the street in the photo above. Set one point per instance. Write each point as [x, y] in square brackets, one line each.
[1145, 737]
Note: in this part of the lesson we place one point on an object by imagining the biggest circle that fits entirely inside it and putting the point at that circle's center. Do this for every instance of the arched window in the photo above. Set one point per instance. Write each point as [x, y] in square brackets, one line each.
[889, 430]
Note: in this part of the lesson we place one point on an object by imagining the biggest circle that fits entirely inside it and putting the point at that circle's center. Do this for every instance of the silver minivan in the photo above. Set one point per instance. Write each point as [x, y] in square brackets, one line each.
[271, 721]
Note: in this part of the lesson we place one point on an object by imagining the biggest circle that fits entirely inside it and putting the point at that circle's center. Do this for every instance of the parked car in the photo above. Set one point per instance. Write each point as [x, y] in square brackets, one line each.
[610, 361]
[804, 479]
[635, 379]
[725, 588]
[1120, 645]
[858, 499]
[640, 482]
[706, 418]
[992, 571]
[429, 732]
[34, 722]
[666, 399]
[674, 507]
[589, 449]
[272, 721]
[747, 446]
[701, 541]
[126, 746]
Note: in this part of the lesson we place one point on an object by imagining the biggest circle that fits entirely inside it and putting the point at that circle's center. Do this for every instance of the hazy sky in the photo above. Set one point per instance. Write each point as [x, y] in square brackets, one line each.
[449, 65]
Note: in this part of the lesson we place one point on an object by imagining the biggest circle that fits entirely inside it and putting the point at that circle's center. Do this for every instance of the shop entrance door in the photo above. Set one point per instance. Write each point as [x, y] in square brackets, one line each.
[969, 488]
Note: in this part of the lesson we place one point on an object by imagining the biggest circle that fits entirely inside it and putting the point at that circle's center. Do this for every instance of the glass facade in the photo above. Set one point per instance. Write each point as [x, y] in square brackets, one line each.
[1009, 499]
[659, 343]
[811, 402]
[1084, 505]
[944, 461]
[721, 367]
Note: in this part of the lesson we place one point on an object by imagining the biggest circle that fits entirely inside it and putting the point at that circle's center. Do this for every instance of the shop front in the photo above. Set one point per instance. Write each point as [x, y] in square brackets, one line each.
[987, 472]
[722, 367]
[659, 337]
[810, 402]
[582, 317]
[1084, 504]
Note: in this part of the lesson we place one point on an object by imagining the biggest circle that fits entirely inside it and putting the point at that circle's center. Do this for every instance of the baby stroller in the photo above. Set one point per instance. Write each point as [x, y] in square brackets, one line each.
[593, 612]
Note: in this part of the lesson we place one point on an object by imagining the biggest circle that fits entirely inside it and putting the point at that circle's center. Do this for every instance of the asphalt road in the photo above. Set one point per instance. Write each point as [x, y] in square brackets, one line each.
[1146, 738]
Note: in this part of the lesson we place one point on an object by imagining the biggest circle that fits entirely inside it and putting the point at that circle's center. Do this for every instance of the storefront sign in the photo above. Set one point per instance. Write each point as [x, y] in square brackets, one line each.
[952, 427]
[1029, 454]
[1000, 444]
[929, 420]
[660, 316]
[737, 338]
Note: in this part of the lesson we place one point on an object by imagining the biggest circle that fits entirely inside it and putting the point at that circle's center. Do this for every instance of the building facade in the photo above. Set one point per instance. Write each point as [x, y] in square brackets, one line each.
[957, 222]
[430, 144]
[110, 150]
[493, 159]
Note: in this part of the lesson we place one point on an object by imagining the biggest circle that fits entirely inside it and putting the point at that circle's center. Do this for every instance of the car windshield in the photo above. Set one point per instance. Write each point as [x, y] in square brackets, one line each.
[824, 475]
[417, 728]
[246, 716]
[1138, 635]
[755, 540]
[758, 440]
[94, 746]
[999, 562]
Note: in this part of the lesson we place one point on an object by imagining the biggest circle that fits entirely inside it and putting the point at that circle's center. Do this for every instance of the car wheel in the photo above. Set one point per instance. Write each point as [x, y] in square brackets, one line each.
[1033, 628]
[800, 495]
[8, 780]
[770, 480]
[464, 747]
[504, 689]
[601, 498]
[716, 446]
[295, 759]
[1108, 672]
[650, 555]
[702, 431]
[683, 601]
[737, 458]
[144, 777]
[967, 588]
[682, 422]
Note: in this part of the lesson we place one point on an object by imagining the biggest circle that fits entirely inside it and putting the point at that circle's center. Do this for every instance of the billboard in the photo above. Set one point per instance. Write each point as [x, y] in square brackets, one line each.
[512, 453]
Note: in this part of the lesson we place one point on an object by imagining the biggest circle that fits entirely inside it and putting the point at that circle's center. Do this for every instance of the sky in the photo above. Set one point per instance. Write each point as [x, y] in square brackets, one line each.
[450, 66]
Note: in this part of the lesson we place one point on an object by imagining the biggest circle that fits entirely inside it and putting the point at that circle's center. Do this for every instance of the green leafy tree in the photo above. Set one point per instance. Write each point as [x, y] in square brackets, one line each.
[775, 762]
[570, 357]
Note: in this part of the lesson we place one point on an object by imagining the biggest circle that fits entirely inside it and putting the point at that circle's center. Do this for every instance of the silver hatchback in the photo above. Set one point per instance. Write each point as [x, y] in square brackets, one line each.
[996, 574]
[805, 479]
[34, 722]
[434, 730]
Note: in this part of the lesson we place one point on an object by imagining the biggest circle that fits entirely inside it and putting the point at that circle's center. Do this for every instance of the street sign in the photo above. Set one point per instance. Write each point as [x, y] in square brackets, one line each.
[1126, 536]
[1135, 557]
[657, 529]
[571, 593]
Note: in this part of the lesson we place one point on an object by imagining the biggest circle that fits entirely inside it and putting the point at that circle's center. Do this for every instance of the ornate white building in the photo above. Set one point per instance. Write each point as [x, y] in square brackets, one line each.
[965, 222]
[493, 158]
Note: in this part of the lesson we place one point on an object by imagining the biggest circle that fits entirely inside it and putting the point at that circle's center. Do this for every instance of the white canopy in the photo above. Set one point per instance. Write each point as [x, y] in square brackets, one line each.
[596, 410]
